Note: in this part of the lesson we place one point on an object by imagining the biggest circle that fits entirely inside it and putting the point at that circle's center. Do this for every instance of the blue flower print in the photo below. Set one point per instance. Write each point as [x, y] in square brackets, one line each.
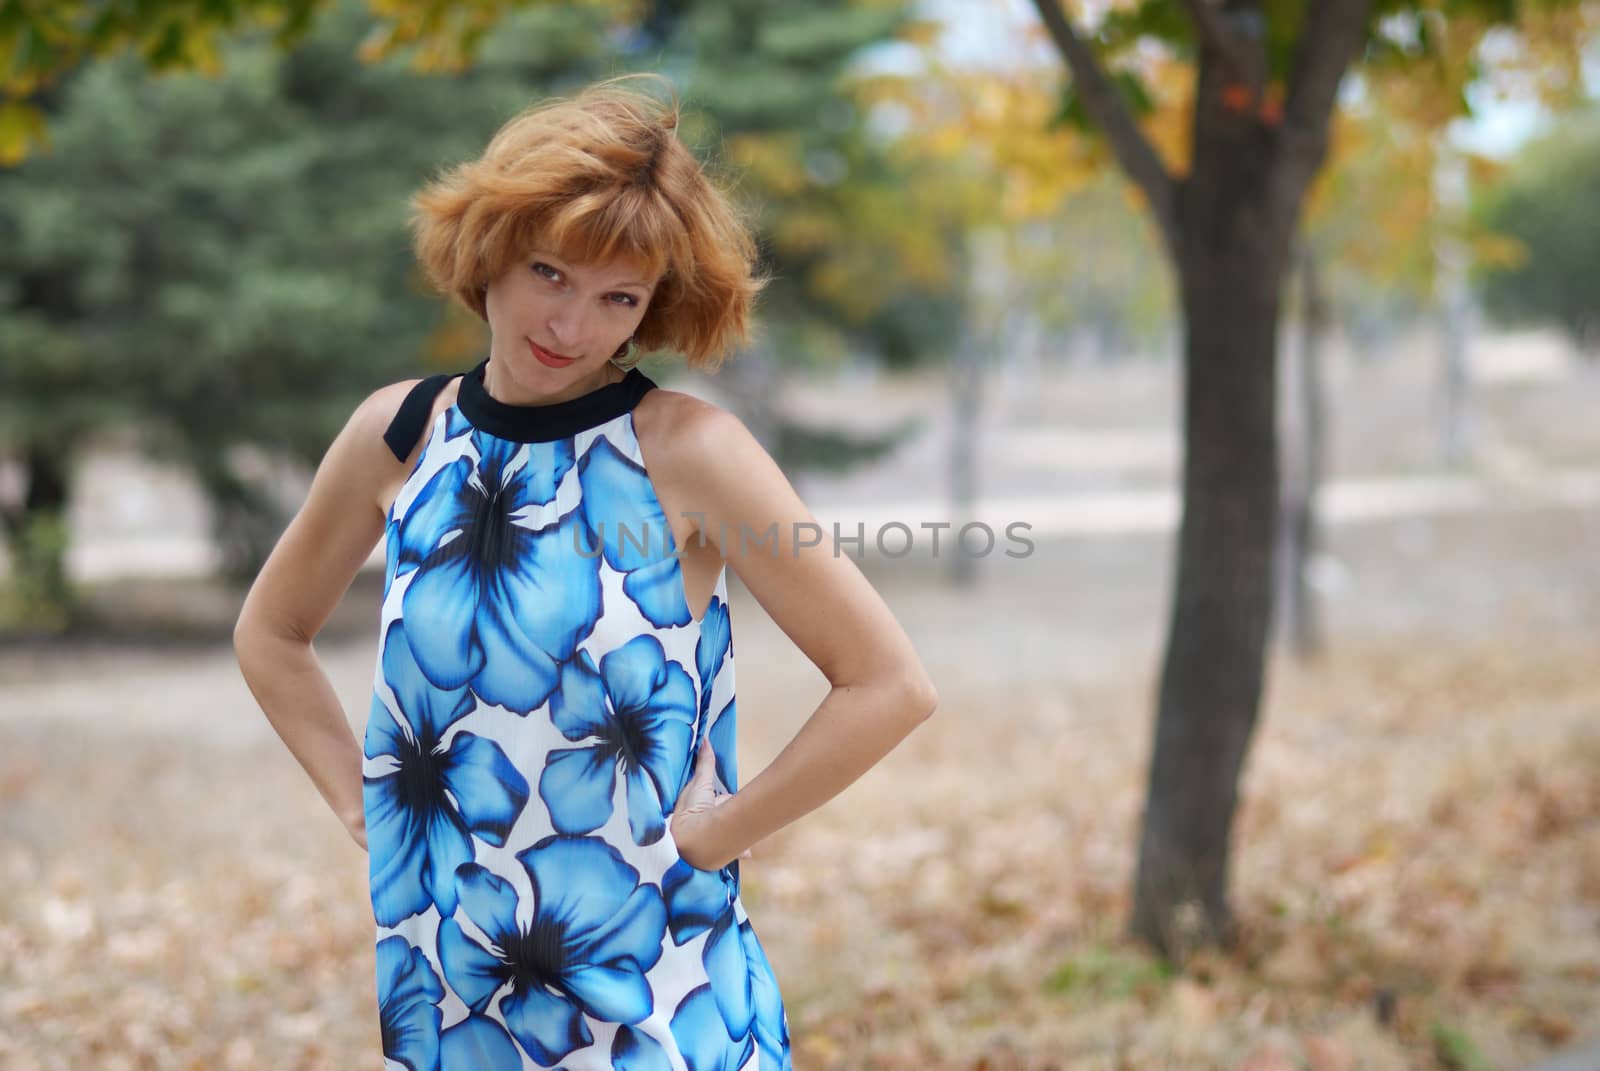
[593, 933]
[634, 1050]
[743, 987]
[725, 745]
[624, 518]
[421, 813]
[636, 714]
[716, 638]
[771, 1026]
[702, 1037]
[456, 424]
[408, 1005]
[698, 900]
[477, 1043]
[505, 604]
[710, 652]
[391, 555]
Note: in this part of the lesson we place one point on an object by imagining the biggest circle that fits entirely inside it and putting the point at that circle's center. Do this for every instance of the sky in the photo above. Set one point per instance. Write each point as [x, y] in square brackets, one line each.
[983, 33]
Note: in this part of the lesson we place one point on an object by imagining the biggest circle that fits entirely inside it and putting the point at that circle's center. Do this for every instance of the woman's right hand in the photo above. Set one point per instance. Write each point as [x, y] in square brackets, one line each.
[698, 798]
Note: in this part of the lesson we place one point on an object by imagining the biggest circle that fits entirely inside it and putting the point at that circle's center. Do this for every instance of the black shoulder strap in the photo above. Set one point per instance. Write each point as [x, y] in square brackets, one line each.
[412, 418]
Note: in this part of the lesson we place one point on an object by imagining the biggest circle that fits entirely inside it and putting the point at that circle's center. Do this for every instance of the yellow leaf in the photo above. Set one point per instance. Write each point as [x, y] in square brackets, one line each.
[200, 48]
[21, 125]
[1498, 250]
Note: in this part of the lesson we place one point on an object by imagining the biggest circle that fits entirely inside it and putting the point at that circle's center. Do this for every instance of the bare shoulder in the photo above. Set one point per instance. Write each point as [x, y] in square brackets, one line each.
[378, 409]
[358, 465]
[667, 418]
[677, 430]
[707, 466]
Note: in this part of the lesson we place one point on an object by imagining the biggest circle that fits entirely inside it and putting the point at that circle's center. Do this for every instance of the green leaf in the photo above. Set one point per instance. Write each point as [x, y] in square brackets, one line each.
[1071, 113]
[1133, 92]
[1162, 20]
[166, 50]
[1456, 1051]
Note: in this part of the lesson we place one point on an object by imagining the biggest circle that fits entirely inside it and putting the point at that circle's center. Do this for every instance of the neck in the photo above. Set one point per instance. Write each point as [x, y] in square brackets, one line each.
[499, 386]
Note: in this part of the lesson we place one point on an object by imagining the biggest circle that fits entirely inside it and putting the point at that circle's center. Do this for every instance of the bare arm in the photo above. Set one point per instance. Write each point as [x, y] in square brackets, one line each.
[308, 572]
[880, 691]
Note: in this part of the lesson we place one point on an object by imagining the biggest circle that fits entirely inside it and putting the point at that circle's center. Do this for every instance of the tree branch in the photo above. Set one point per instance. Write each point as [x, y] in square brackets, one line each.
[1110, 113]
[1333, 33]
[1214, 35]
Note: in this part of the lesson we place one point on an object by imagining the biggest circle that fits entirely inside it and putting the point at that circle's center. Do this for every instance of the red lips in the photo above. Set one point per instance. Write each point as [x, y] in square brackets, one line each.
[549, 358]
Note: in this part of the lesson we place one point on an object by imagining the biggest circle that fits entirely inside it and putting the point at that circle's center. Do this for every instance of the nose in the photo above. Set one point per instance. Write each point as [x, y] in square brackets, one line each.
[566, 328]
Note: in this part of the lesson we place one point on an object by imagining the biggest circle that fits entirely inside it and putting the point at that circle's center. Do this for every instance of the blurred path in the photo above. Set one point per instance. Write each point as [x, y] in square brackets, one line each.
[1075, 450]
[1584, 1059]
[1090, 513]
[1115, 513]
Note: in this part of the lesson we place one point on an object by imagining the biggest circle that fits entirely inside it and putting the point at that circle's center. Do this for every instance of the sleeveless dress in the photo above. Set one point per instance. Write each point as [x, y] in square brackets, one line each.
[541, 692]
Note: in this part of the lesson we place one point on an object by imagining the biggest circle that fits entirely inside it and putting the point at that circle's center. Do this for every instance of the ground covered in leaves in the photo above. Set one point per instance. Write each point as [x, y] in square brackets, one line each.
[1417, 878]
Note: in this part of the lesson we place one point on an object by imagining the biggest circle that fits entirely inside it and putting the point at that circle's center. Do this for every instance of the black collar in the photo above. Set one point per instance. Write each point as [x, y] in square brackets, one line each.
[546, 423]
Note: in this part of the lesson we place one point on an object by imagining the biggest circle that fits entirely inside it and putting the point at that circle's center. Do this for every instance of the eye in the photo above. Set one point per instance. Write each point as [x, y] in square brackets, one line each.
[628, 301]
[541, 268]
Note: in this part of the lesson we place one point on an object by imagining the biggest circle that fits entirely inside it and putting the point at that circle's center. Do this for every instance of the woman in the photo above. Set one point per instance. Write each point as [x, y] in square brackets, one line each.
[547, 788]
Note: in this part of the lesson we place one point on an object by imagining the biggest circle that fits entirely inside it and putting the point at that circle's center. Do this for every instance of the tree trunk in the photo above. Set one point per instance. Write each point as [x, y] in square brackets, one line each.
[1454, 308]
[244, 523]
[1455, 436]
[1227, 225]
[41, 591]
[966, 404]
[1302, 477]
[1232, 249]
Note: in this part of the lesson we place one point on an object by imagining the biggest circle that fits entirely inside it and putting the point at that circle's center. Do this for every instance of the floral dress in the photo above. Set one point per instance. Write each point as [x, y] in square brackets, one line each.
[542, 689]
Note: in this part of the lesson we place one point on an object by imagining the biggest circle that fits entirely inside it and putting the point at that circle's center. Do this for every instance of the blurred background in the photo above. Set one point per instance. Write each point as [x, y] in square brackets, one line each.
[1273, 745]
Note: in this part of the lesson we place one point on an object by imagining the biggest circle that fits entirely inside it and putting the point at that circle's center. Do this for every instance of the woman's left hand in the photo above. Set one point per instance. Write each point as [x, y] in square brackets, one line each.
[689, 816]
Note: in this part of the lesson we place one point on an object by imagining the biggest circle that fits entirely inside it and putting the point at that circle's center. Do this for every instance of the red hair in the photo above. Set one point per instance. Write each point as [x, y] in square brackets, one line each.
[593, 178]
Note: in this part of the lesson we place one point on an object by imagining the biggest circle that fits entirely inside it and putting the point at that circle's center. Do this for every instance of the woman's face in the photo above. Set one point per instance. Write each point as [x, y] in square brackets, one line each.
[555, 323]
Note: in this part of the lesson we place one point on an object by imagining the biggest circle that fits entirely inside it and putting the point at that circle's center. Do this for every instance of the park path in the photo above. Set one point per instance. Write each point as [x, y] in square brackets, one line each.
[1072, 451]
[98, 556]
[1582, 1058]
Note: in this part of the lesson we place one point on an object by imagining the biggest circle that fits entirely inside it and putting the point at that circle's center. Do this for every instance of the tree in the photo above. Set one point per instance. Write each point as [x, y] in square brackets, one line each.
[220, 264]
[41, 41]
[1546, 206]
[205, 264]
[1266, 81]
[216, 261]
[861, 244]
[775, 89]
